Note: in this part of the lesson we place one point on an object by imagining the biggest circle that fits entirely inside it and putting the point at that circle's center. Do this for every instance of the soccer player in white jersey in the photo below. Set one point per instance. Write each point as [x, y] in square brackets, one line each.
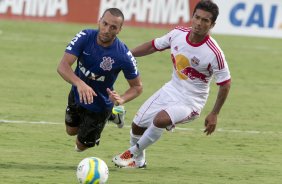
[196, 58]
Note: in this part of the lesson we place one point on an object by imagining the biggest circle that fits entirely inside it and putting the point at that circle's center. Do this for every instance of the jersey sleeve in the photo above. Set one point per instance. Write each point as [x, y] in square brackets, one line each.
[77, 44]
[218, 64]
[129, 67]
[221, 70]
[163, 42]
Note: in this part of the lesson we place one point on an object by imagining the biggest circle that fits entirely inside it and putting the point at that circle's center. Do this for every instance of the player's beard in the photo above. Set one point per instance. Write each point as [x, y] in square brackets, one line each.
[105, 39]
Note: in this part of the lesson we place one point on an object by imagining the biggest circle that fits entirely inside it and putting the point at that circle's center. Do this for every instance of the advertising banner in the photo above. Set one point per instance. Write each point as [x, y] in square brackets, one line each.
[149, 13]
[250, 18]
[237, 17]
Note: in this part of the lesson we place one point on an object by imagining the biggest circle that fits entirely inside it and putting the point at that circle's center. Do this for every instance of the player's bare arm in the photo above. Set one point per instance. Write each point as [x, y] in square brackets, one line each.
[86, 93]
[135, 89]
[143, 49]
[211, 119]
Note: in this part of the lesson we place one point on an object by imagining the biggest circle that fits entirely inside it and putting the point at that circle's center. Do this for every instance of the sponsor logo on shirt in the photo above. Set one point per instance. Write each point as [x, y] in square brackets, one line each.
[134, 62]
[74, 40]
[184, 70]
[89, 74]
[85, 53]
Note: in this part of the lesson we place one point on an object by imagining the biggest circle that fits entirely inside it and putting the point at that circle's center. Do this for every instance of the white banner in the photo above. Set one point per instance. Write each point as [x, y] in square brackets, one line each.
[150, 11]
[236, 17]
[250, 18]
[34, 8]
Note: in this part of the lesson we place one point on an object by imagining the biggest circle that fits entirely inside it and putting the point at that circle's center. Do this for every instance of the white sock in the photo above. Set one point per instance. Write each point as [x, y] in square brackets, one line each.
[140, 159]
[150, 136]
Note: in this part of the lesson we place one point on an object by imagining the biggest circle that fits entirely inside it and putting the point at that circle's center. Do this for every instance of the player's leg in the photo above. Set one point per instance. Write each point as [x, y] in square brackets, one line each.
[153, 133]
[165, 119]
[79, 147]
[134, 157]
[143, 119]
[72, 118]
[135, 134]
[90, 129]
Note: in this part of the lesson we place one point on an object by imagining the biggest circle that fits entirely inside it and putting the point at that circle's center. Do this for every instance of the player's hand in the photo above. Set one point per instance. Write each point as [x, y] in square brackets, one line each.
[210, 123]
[86, 93]
[115, 97]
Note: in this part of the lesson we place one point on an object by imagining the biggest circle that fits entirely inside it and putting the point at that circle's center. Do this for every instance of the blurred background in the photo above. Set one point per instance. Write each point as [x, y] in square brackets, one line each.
[251, 18]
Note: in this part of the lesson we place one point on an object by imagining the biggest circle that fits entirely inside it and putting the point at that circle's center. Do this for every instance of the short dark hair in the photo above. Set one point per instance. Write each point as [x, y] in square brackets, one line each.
[114, 11]
[209, 6]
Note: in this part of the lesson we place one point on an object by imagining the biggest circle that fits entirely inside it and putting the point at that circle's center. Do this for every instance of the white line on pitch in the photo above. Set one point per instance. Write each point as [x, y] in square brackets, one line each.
[177, 128]
[28, 122]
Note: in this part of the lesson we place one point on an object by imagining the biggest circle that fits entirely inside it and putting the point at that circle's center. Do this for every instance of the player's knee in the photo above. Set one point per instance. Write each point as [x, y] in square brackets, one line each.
[79, 147]
[137, 130]
[162, 120]
[71, 130]
[89, 140]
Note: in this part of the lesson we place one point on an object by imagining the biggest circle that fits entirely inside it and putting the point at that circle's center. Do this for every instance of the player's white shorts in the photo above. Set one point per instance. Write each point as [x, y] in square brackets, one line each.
[180, 111]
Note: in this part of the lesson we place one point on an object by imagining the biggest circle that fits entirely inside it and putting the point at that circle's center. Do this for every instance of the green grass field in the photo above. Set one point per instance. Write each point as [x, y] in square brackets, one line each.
[245, 149]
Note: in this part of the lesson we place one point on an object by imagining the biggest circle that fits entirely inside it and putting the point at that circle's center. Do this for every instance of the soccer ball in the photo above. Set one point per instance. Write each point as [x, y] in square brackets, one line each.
[92, 170]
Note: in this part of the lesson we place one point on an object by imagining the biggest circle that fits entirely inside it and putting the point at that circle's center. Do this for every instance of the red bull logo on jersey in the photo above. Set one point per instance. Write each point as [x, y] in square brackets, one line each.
[194, 74]
[107, 63]
[195, 61]
[184, 69]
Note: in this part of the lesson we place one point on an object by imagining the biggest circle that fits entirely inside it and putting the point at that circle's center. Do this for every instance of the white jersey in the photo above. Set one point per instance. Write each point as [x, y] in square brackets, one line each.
[194, 65]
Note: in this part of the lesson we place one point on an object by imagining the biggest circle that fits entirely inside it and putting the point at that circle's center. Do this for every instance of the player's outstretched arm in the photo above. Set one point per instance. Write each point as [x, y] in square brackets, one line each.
[85, 92]
[143, 49]
[135, 89]
[211, 119]
[65, 70]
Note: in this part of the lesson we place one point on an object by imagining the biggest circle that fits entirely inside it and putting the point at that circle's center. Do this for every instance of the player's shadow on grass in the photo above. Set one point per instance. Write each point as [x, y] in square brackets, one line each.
[34, 166]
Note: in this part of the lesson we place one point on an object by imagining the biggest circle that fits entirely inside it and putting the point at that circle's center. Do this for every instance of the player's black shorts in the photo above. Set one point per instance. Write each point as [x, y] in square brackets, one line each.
[90, 124]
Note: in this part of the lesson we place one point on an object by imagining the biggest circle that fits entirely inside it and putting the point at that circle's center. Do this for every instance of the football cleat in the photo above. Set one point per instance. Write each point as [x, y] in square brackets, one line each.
[134, 165]
[118, 114]
[126, 160]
